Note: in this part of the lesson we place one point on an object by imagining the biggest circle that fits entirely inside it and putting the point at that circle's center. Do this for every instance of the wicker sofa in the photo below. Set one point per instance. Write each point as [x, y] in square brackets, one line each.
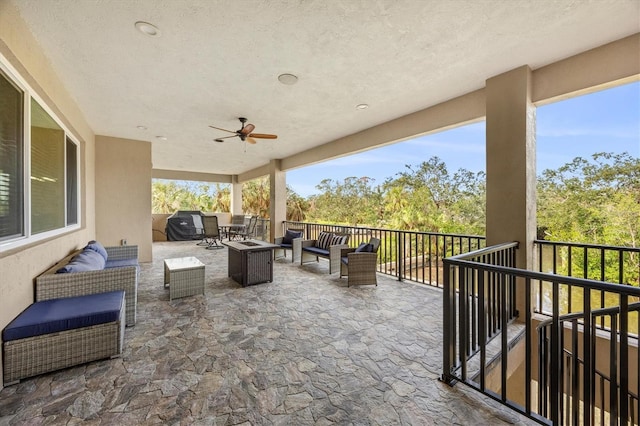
[119, 273]
[327, 246]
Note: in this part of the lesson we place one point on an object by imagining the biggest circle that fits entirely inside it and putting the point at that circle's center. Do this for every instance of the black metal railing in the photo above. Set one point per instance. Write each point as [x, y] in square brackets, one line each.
[517, 380]
[570, 372]
[406, 255]
[618, 265]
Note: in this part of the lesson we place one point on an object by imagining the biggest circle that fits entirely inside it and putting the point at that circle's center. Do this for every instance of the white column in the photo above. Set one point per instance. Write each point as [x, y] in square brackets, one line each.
[511, 165]
[236, 196]
[278, 198]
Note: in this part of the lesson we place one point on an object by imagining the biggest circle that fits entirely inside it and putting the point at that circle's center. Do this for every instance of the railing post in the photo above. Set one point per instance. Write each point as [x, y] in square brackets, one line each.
[448, 350]
[400, 256]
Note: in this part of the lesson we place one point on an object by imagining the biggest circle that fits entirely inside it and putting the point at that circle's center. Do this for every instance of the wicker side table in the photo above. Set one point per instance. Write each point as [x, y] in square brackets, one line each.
[184, 276]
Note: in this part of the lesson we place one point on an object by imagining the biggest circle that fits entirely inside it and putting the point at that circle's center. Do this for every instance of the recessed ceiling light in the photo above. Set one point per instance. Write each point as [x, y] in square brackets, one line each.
[142, 128]
[148, 29]
[288, 79]
[162, 138]
[362, 106]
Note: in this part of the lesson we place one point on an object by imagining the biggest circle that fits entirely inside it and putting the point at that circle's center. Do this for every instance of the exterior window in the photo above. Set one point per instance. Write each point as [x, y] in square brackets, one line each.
[39, 167]
[11, 160]
[72, 183]
[47, 171]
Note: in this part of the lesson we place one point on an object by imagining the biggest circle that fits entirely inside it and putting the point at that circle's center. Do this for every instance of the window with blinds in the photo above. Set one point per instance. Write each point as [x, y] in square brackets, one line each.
[11, 160]
[39, 170]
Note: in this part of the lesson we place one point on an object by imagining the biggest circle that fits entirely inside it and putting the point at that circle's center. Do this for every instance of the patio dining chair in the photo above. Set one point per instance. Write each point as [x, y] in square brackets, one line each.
[360, 264]
[249, 230]
[211, 232]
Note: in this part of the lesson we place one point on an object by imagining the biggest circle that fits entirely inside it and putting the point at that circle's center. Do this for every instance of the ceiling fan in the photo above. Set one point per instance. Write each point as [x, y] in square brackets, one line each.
[244, 133]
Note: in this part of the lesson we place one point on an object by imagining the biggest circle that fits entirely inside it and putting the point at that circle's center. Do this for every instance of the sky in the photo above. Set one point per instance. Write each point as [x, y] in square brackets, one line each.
[604, 121]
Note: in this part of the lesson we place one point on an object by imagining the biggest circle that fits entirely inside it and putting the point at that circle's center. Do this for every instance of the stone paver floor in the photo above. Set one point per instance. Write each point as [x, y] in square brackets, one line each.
[302, 350]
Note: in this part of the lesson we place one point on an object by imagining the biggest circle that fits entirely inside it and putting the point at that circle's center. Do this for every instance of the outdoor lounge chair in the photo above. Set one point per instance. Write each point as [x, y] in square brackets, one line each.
[211, 232]
[359, 264]
[286, 242]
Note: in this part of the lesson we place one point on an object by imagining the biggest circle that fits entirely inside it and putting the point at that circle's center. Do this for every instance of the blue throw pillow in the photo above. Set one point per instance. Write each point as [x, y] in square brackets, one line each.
[289, 236]
[86, 260]
[97, 247]
[364, 247]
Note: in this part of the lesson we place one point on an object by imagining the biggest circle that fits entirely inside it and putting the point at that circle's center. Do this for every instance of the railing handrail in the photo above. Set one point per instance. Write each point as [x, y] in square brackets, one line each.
[483, 251]
[386, 229]
[595, 313]
[590, 246]
[523, 273]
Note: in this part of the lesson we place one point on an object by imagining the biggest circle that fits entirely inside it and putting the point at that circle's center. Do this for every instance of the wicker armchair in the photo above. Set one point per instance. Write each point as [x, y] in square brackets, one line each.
[287, 241]
[360, 264]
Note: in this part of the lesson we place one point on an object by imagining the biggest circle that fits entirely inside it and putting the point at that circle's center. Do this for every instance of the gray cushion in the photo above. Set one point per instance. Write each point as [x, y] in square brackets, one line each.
[86, 260]
[97, 247]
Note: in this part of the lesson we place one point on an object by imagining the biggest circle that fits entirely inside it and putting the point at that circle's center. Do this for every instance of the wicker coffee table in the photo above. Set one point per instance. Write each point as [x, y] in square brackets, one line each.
[184, 276]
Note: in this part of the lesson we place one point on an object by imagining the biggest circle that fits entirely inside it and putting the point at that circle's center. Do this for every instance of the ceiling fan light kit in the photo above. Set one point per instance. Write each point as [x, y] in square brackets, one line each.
[245, 133]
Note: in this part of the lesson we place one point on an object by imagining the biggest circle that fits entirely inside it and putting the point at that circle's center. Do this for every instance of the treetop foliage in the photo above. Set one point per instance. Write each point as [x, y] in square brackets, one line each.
[594, 200]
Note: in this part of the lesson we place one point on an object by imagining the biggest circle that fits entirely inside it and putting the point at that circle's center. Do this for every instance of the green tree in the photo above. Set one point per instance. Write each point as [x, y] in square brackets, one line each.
[595, 201]
[353, 201]
[429, 198]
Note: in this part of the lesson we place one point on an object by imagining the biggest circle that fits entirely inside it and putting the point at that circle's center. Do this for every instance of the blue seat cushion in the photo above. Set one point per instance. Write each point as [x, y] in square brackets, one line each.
[317, 251]
[51, 316]
[345, 260]
[119, 263]
[86, 260]
[284, 245]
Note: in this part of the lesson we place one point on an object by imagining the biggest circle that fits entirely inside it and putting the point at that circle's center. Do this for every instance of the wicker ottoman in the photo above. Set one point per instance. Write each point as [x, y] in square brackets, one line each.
[184, 276]
[60, 333]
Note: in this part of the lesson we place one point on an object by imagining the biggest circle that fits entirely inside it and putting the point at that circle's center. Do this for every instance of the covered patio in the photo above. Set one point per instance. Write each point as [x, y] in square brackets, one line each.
[304, 349]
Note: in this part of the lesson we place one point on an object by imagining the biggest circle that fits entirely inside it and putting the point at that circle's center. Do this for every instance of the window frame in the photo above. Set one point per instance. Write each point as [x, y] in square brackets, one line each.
[27, 236]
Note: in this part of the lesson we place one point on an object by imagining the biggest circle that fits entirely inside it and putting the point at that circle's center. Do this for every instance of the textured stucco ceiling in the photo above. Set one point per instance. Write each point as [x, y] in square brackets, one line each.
[217, 60]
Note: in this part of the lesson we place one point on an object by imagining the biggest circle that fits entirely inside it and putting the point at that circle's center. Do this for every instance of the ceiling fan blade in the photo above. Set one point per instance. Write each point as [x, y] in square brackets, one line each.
[224, 130]
[247, 129]
[251, 140]
[263, 136]
[225, 137]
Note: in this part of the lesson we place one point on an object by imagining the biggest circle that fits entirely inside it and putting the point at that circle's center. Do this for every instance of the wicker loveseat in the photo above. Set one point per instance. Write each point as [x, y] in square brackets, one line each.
[120, 272]
[327, 245]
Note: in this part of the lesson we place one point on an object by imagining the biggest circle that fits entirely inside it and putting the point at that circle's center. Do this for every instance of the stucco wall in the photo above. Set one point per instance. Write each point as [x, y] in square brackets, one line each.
[18, 267]
[123, 193]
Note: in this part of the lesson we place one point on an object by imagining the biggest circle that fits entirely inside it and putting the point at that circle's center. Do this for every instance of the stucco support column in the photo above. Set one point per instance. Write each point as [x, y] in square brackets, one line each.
[236, 196]
[511, 166]
[278, 199]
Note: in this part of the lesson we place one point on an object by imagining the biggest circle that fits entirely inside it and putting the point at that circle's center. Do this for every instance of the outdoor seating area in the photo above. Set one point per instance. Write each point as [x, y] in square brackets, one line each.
[303, 349]
[327, 246]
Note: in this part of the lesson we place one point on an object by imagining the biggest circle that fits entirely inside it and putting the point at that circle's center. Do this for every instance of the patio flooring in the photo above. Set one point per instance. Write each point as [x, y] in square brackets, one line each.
[302, 350]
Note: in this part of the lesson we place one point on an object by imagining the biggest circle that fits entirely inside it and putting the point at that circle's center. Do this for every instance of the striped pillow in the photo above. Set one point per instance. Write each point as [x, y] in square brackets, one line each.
[338, 239]
[323, 240]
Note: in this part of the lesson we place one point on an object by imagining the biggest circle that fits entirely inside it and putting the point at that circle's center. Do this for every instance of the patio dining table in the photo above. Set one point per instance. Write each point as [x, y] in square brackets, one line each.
[229, 229]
